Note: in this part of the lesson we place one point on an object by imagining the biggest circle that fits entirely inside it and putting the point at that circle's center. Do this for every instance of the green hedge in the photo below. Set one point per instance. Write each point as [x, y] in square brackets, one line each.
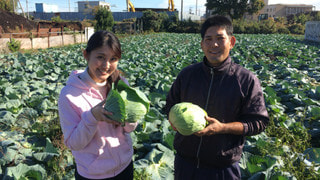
[294, 24]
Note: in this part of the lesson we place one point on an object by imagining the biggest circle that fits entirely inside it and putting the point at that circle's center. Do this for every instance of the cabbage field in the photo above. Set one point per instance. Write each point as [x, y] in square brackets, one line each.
[31, 145]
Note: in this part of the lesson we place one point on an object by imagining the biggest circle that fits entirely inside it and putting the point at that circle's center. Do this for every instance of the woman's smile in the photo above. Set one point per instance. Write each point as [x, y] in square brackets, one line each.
[101, 63]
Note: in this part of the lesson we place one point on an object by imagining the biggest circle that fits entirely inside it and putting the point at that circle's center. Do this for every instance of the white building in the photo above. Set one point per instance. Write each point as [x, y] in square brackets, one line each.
[46, 8]
[89, 6]
[282, 10]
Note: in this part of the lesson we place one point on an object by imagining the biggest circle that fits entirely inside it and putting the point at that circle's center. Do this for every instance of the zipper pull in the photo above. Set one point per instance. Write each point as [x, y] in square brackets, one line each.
[198, 164]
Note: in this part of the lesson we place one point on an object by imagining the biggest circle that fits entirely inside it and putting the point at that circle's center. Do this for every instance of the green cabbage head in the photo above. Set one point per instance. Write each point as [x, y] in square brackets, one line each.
[187, 118]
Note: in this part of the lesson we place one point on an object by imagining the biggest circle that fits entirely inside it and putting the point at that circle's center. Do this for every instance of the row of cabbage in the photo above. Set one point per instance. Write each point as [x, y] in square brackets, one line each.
[288, 67]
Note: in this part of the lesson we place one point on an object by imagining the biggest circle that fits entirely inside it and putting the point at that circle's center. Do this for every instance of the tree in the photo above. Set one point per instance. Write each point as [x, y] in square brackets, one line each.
[165, 20]
[303, 18]
[281, 20]
[8, 5]
[104, 19]
[151, 21]
[235, 8]
[268, 27]
[171, 24]
[317, 16]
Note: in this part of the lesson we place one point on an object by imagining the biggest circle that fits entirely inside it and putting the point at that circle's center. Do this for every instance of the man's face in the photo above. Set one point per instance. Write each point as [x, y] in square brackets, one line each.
[216, 45]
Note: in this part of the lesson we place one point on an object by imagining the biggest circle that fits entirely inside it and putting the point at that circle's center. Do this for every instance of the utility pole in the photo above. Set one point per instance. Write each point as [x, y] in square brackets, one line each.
[27, 9]
[196, 7]
[127, 5]
[181, 10]
[14, 7]
[24, 15]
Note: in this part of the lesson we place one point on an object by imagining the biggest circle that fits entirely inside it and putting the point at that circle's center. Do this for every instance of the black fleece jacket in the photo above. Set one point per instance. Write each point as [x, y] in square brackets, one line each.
[229, 93]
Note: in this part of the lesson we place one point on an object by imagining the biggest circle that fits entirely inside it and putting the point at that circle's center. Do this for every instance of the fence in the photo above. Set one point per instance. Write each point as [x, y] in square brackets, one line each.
[36, 32]
[31, 40]
[41, 33]
[128, 27]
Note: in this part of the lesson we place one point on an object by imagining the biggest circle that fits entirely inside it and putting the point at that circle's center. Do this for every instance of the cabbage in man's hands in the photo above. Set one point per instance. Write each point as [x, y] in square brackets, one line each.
[187, 118]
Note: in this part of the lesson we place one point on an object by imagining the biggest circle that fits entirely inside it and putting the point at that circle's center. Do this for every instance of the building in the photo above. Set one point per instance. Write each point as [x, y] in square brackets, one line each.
[89, 6]
[152, 9]
[283, 10]
[46, 8]
[278, 10]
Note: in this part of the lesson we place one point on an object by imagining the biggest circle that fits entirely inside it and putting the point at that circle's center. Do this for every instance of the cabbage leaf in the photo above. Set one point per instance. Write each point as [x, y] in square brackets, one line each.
[126, 103]
[116, 105]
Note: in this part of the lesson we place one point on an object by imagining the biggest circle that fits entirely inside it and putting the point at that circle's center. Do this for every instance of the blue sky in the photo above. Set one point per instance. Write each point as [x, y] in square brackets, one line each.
[120, 5]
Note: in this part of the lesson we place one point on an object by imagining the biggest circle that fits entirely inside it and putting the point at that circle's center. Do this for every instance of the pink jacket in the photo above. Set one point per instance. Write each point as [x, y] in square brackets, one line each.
[100, 149]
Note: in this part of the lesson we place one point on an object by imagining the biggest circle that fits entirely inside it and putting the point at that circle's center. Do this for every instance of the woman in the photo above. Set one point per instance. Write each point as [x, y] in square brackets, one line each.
[102, 148]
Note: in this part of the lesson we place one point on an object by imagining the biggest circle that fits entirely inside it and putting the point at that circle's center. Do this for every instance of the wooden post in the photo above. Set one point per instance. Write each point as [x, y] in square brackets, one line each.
[1, 31]
[74, 37]
[62, 36]
[49, 37]
[38, 29]
[141, 26]
[31, 37]
[80, 35]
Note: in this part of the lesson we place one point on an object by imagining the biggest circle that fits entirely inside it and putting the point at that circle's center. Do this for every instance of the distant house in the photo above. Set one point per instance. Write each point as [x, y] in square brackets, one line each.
[279, 10]
[89, 6]
[46, 8]
[283, 10]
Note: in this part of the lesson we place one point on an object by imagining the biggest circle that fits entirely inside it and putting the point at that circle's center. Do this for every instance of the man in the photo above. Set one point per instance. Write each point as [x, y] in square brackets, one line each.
[233, 100]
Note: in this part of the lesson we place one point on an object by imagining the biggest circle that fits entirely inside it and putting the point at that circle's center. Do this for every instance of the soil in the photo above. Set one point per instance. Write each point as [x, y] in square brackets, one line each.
[11, 22]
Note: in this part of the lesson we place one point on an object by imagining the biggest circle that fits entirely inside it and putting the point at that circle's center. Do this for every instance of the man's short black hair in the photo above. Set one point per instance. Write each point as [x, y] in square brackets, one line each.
[218, 20]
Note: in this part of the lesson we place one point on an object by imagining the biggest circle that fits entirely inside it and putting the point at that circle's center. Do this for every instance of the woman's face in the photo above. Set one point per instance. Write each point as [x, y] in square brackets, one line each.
[102, 62]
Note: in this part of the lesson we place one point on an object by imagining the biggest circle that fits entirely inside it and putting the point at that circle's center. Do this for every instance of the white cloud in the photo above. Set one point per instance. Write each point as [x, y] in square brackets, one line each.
[187, 3]
[164, 3]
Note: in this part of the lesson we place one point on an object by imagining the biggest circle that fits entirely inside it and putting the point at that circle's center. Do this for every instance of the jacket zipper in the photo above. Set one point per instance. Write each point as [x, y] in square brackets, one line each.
[206, 107]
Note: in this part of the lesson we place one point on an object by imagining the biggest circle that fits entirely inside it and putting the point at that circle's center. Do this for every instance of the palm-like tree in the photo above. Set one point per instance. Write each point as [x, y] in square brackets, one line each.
[8, 5]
